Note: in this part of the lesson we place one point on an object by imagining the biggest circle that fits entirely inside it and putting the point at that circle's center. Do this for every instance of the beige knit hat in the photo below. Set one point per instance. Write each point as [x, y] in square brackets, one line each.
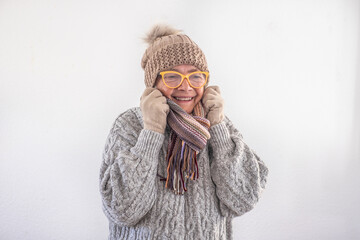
[168, 47]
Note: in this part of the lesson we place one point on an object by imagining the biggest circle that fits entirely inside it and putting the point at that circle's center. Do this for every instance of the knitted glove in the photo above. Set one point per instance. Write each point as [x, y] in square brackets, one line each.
[213, 105]
[154, 110]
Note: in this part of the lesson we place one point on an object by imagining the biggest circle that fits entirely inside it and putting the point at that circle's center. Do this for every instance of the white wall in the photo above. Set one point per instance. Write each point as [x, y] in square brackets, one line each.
[288, 70]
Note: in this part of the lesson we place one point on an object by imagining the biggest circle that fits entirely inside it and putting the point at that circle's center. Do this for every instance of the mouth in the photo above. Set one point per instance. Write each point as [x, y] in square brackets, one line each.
[184, 99]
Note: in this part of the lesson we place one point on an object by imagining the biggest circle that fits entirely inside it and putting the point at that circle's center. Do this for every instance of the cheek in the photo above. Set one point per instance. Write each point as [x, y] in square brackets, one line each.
[200, 93]
[164, 90]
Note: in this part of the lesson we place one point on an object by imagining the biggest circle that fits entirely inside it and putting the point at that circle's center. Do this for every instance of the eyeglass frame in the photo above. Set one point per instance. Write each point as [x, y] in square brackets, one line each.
[183, 77]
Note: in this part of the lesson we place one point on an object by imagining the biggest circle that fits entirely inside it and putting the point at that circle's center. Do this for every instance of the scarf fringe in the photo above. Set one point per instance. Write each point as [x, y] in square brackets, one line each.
[188, 136]
[182, 166]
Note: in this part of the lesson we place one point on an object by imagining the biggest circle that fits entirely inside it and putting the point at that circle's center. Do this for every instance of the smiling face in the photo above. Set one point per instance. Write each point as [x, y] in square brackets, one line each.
[185, 96]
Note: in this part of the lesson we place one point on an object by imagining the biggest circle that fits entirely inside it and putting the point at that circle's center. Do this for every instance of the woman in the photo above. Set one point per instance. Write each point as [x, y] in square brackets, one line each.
[177, 168]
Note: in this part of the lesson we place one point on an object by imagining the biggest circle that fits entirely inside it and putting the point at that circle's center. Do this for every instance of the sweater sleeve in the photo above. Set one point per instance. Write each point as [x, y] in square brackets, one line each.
[128, 170]
[237, 172]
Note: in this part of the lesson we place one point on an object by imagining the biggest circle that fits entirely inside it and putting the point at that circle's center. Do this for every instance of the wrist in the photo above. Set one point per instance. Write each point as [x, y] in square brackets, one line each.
[155, 127]
[215, 117]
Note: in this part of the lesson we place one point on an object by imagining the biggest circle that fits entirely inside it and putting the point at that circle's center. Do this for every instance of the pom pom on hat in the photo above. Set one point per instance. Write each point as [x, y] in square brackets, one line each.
[159, 31]
[169, 47]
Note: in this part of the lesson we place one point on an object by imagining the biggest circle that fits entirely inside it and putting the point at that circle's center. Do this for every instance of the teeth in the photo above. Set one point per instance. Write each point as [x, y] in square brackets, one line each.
[183, 99]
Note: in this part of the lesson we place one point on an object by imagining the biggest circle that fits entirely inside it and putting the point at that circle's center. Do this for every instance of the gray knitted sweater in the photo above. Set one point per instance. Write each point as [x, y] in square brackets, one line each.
[137, 204]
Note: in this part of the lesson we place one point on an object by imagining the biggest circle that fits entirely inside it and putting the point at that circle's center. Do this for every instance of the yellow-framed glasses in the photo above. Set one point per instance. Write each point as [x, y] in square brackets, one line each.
[174, 79]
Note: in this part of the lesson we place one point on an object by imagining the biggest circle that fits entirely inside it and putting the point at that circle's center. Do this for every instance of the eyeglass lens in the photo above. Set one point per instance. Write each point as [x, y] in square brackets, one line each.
[174, 79]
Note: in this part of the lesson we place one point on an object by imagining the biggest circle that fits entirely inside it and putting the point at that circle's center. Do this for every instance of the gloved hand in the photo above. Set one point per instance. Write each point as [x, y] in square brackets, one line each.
[213, 105]
[154, 110]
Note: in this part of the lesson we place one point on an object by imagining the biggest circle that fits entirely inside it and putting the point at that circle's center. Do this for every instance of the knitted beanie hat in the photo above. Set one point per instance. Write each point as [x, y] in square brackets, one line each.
[168, 47]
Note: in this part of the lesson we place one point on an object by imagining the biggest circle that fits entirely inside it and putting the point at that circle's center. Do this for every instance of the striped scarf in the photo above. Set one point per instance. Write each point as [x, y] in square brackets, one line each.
[189, 134]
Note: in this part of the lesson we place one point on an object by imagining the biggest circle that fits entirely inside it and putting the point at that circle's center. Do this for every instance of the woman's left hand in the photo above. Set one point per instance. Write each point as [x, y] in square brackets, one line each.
[213, 105]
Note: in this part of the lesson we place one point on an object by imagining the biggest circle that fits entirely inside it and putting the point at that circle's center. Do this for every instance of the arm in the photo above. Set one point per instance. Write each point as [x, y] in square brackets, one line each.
[238, 173]
[128, 171]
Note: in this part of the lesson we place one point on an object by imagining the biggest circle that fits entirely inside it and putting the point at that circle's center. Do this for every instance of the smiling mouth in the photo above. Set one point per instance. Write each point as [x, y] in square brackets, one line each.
[185, 99]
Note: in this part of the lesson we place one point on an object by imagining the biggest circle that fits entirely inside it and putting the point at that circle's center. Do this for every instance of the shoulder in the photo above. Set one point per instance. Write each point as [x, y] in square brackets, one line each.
[133, 114]
[231, 126]
[131, 119]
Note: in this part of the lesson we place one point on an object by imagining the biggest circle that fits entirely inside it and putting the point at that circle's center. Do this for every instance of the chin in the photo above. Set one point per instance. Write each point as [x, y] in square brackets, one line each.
[186, 107]
[189, 111]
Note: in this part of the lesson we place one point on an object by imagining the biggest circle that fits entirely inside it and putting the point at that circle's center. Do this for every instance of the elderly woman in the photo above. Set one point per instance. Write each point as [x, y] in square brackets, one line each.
[177, 168]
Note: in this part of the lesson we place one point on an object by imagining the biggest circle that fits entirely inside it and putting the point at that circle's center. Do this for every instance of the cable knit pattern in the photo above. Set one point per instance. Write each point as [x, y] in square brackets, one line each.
[139, 206]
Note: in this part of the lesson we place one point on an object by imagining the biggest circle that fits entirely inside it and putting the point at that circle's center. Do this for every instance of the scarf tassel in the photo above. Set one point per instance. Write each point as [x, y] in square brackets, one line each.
[182, 165]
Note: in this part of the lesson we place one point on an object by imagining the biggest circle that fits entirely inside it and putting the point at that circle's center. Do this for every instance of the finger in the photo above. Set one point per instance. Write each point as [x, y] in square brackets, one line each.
[161, 103]
[147, 91]
[216, 103]
[214, 88]
[166, 107]
[211, 94]
[161, 99]
[155, 94]
[211, 104]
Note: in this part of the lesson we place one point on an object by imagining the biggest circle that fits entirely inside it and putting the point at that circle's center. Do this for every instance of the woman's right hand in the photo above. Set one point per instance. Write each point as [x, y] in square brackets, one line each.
[154, 109]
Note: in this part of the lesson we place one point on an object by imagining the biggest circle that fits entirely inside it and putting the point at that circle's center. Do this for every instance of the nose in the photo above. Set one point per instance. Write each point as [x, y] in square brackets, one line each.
[185, 86]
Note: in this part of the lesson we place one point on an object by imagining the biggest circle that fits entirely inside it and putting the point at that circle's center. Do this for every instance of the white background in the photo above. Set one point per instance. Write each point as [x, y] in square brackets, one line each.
[289, 74]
